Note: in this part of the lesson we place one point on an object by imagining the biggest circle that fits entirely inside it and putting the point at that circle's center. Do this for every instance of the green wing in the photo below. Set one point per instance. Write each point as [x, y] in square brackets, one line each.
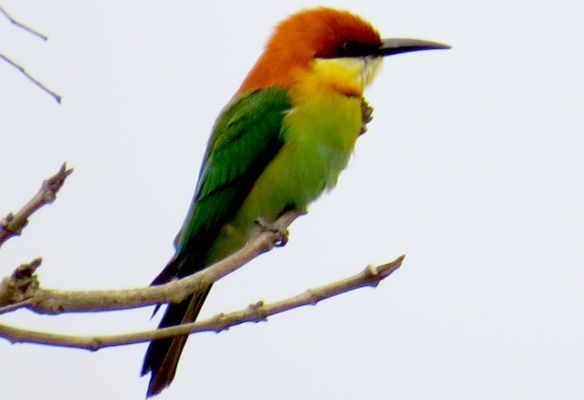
[246, 137]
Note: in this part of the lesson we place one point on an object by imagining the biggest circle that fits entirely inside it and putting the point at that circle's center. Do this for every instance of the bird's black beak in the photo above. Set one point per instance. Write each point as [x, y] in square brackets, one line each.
[390, 47]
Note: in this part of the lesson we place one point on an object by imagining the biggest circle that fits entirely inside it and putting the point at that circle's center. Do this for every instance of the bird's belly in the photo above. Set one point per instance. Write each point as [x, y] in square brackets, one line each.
[318, 145]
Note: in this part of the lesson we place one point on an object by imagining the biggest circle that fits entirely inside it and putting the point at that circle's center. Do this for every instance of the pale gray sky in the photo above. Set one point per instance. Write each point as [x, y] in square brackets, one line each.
[472, 167]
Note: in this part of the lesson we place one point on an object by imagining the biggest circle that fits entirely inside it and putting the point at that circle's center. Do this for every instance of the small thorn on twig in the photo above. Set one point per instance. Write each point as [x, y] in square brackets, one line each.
[94, 344]
[257, 305]
[6, 222]
[222, 323]
[372, 270]
[313, 298]
[258, 310]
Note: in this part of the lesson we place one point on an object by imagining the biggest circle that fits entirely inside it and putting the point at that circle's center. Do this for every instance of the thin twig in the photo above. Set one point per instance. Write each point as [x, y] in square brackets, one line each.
[258, 312]
[12, 224]
[15, 306]
[22, 26]
[20, 68]
[47, 301]
[38, 83]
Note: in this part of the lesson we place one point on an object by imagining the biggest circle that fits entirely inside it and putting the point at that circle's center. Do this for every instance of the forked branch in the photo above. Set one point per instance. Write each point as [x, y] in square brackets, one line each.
[258, 312]
[48, 301]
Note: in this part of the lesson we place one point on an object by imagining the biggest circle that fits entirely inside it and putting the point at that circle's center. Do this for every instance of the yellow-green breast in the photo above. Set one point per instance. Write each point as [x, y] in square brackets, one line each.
[319, 136]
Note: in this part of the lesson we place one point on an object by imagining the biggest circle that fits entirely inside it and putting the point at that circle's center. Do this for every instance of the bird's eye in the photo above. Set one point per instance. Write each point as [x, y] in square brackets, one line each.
[350, 48]
[354, 48]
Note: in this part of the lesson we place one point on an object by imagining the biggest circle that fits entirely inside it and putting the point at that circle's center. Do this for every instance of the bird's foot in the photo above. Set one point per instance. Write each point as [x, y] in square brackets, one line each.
[272, 227]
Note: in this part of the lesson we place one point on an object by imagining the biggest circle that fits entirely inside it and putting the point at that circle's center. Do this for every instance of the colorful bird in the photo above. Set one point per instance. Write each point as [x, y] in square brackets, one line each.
[278, 145]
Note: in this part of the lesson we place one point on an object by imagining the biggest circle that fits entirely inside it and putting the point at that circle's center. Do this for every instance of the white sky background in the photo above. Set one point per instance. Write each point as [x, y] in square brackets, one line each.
[472, 167]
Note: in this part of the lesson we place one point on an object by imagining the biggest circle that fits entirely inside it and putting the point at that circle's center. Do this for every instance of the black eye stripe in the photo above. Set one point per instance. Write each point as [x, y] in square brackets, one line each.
[353, 48]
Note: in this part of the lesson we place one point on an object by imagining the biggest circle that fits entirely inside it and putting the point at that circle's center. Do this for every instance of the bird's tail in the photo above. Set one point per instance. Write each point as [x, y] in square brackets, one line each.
[162, 355]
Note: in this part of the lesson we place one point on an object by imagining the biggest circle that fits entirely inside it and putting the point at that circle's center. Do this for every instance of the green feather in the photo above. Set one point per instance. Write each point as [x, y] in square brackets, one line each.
[246, 137]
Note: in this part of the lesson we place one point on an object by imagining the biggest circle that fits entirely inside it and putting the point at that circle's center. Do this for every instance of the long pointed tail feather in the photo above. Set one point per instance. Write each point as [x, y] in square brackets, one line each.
[163, 355]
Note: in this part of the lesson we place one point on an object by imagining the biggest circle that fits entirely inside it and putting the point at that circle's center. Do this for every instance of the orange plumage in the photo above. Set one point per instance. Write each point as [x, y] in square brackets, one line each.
[319, 30]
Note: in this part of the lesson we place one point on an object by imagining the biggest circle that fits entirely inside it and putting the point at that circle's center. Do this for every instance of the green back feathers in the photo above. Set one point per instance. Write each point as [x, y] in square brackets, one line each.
[246, 137]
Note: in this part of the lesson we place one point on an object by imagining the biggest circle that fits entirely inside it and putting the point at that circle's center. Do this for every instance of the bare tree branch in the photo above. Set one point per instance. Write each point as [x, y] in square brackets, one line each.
[12, 224]
[22, 26]
[47, 301]
[22, 289]
[31, 78]
[258, 312]
[56, 96]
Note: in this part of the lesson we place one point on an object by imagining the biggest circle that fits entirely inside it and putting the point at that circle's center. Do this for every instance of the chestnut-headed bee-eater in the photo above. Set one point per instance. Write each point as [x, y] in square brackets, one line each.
[281, 141]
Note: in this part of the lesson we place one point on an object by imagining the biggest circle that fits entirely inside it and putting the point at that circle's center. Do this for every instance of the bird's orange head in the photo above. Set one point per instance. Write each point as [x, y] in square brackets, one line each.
[320, 33]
